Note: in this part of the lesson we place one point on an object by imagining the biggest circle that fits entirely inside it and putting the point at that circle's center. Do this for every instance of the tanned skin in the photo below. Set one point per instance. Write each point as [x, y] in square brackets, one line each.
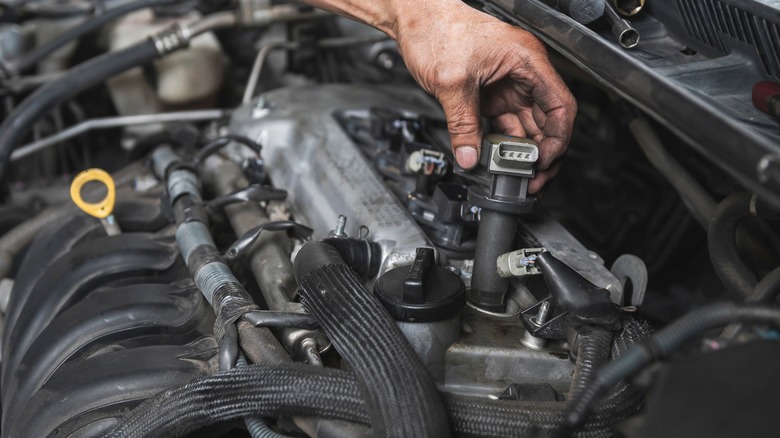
[475, 65]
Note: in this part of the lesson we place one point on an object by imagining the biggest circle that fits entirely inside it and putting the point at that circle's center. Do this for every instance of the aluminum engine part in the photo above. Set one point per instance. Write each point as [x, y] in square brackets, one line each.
[489, 357]
[306, 152]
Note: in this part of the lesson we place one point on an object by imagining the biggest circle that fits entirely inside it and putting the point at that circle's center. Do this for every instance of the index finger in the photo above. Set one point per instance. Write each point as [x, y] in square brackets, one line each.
[555, 100]
[557, 133]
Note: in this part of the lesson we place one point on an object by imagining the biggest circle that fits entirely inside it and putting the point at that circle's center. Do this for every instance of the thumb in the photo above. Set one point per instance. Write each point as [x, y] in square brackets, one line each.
[461, 109]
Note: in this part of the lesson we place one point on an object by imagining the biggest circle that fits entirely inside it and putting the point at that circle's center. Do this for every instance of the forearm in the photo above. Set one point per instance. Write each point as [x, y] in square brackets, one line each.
[385, 15]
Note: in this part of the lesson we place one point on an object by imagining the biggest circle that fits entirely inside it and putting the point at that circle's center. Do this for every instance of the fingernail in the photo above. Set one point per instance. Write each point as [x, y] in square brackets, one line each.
[466, 156]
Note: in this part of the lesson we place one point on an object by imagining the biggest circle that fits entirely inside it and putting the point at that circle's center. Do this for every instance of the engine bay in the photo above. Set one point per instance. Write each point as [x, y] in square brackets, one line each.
[229, 219]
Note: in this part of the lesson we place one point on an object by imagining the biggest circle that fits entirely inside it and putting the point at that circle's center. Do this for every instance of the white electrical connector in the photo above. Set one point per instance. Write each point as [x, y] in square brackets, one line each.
[519, 263]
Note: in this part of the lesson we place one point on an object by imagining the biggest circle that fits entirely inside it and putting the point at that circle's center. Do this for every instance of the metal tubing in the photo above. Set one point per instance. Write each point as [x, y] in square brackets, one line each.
[629, 7]
[257, 66]
[218, 20]
[328, 43]
[270, 262]
[117, 122]
[167, 41]
[627, 36]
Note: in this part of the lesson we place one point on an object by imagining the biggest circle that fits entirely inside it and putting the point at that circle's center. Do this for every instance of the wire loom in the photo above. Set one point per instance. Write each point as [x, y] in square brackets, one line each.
[298, 389]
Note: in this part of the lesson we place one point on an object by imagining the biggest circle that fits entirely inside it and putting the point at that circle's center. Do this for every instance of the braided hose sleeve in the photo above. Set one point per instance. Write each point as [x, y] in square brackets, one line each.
[399, 392]
[296, 389]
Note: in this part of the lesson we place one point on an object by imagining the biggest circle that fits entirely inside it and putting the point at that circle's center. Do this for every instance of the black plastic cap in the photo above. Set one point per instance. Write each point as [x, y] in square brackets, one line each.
[572, 293]
[421, 292]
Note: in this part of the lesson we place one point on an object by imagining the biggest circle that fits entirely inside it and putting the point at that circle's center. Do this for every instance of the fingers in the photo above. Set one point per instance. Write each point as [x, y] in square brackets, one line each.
[533, 129]
[542, 177]
[556, 111]
[555, 140]
[509, 124]
[534, 102]
[539, 116]
[461, 108]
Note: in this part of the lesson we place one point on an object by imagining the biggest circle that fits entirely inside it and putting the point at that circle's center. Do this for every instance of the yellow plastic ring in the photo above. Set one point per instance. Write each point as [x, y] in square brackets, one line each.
[101, 209]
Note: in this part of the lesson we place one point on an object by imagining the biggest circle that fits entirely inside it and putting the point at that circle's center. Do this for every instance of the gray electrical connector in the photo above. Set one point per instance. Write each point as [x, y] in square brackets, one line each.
[512, 155]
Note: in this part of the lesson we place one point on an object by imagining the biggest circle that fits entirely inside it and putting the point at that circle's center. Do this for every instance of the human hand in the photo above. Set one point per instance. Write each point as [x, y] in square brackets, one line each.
[476, 65]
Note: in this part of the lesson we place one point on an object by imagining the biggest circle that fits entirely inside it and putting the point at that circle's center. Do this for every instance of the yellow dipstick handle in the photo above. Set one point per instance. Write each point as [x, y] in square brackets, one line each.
[101, 209]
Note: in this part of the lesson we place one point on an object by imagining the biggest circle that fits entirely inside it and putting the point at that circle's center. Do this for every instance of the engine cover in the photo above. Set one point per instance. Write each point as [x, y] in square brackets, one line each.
[306, 151]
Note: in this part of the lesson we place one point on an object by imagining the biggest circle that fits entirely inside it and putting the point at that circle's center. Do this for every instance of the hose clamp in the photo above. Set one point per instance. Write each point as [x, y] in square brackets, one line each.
[172, 39]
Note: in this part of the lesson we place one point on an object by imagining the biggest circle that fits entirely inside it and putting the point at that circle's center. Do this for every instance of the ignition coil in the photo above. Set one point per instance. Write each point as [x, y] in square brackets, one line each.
[501, 193]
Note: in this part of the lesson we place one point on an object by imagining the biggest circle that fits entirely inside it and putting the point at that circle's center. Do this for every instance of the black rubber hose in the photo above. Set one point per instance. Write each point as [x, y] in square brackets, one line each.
[593, 349]
[399, 393]
[34, 56]
[581, 11]
[721, 240]
[660, 345]
[362, 256]
[76, 80]
[767, 289]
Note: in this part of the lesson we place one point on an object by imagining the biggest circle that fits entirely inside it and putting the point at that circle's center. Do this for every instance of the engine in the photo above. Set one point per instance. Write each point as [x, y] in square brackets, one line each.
[287, 248]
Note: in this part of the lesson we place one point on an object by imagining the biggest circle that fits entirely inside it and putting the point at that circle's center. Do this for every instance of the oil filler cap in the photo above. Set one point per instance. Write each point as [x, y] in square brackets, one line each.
[421, 292]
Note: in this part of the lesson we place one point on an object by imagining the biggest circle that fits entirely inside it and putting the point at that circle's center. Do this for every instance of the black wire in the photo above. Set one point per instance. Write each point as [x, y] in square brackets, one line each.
[245, 242]
[661, 345]
[217, 144]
